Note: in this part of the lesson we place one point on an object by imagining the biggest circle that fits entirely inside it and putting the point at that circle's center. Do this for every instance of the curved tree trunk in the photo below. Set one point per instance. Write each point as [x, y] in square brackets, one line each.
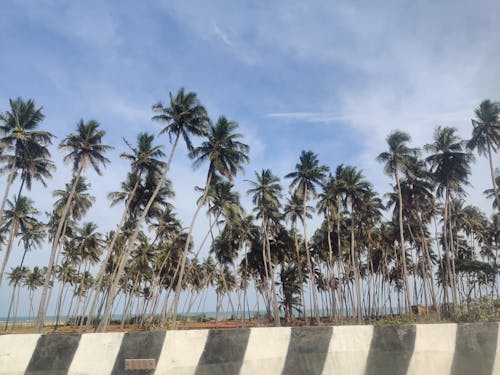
[402, 243]
[10, 180]
[309, 262]
[492, 172]
[114, 283]
[55, 243]
[178, 288]
[13, 233]
[96, 288]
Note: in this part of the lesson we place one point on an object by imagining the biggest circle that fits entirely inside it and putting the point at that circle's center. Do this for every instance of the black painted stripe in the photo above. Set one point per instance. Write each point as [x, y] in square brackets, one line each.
[391, 349]
[475, 349]
[138, 345]
[53, 354]
[307, 350]
[224, 352]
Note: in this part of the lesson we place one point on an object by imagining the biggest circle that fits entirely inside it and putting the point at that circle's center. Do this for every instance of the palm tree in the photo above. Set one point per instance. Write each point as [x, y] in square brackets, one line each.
[486, 135]
[185, 117]
[85, 149]
[225, 154]
[490, 193]
[20, 217]
[355, 190]
[19, 129]
[266, 193]
[144, 159]
[16, 278]
[293, 212]
[33, 281]
[450, 168]
[308, 173]
[398, 159]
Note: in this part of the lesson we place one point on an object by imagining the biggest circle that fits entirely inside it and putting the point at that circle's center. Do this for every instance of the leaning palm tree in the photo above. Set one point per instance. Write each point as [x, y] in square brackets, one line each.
[144, 159]
[293, 213]
[18, 128]
[185, 117]
[307, 175]
[225, 155]
[354, 190]
[266, 194]
[85, 150]
[399, 159]
[491, 193]
[450, 168]
[34, 280]
[20, 216]
[486, 136]
[16, 278]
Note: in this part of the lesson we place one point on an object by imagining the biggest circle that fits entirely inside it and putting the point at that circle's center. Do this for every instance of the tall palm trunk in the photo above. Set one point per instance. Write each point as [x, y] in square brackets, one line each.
[11, 304]
[95, 290]
[178, 288]
[309, 262]
[301, 276]
[55, 243]
[13, 233]
[276, 311]
[339, 262]
[357, 281]
[402, 243]
[10, 180]
[114, 282]
[495, 187]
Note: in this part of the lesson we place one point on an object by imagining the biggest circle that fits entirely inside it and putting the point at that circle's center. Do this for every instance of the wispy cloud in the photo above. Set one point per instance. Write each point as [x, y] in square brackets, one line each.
[222, 35]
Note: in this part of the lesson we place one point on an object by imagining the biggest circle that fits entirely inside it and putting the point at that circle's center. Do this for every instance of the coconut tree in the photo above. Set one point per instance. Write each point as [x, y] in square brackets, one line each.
[490, 193]
[293, 213]
[33, 281]
[144, 159]
[450, 168]
[225, 155]
[20, 216]
[307, 175]
[18, 128]
[85, 150]
[184, 117]
[266, 194]
[486, 136]
[16, 278]
[398, 159]
[354, 190]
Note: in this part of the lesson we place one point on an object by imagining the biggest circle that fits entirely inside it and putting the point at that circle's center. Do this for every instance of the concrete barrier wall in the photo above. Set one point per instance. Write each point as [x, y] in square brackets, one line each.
[431, 349]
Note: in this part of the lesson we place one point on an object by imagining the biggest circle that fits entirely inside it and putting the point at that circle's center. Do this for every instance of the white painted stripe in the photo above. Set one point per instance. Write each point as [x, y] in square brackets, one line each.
[96, 353]
[181, 352]
[434, 349]
[348, 350]
[266, 351]
[16, 352]
[496, 365]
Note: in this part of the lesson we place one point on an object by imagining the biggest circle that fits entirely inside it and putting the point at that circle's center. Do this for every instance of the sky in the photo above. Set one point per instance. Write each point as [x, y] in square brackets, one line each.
[331, 77]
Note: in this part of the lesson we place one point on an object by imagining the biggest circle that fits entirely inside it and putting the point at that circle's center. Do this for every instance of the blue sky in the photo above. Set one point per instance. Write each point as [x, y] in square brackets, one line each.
[333, 77]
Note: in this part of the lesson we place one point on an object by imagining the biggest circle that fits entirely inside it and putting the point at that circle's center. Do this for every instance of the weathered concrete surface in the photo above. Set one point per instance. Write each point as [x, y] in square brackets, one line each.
[96, 354]
[16, 352]
[475, 349]
[53, 354]
[434, 349]
[307, 350]
[348, 350]
[224, 352]
[266, 353]
[138, 345]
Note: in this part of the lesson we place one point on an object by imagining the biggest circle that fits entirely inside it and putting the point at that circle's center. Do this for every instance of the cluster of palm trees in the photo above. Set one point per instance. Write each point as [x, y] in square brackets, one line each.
[369, 257]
